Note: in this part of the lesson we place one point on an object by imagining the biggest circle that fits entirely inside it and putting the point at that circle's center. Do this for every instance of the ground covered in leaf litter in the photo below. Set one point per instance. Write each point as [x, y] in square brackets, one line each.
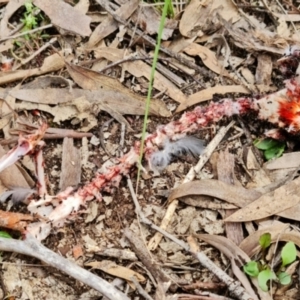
[58, 74]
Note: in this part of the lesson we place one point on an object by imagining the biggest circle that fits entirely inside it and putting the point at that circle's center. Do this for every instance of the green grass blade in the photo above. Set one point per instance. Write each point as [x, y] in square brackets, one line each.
[155, 58]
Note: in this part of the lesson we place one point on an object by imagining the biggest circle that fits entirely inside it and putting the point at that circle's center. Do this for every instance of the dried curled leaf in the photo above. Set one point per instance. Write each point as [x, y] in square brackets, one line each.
[218, 189]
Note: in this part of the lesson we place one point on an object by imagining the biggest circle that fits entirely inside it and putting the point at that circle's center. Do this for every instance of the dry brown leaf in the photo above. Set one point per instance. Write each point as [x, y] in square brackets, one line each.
[269, 204]
[52, 96]
[206, 202]
[259, 176]
[258, 39]
[62, 113]
[279, 232]
[12, 177]
[109, 25]
[225, 169]
[139, 69]
[65, 16]
[148, 18]
[113, 92]
[207, 56]
[10, 9]
[48, 81]
[5, 30]
[237, 258]
[112, 268]
[292, 213]
[82, 6]
[74, 107]
[215, 188]
[51, 63]
[99, 100]
[199, 16]
[287, 160]
[208, 93]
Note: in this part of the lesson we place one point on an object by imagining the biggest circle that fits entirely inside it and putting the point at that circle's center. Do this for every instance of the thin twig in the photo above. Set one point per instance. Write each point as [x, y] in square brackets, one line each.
[147, 221]
[234, 287]
[122, 138]
[122, 61]
[101, 136]
[26, 32]
[141, 291]
[51, 136]
[32, 247]
[28, 59]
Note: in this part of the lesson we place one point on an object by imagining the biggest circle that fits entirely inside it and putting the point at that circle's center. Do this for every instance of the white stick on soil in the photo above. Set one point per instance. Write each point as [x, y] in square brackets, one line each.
[32, 247]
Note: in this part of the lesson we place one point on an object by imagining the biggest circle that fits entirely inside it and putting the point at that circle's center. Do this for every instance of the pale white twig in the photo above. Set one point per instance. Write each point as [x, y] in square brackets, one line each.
[32, 247]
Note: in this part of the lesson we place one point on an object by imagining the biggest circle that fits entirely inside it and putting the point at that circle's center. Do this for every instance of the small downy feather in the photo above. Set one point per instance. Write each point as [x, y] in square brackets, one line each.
[159, 160]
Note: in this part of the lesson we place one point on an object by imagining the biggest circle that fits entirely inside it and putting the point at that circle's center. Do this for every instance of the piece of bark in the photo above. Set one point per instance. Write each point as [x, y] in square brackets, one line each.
[70, 166]
[225, 170]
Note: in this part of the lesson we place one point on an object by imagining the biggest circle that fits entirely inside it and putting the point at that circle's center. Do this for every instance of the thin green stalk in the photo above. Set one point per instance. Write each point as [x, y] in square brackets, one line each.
[155, 58]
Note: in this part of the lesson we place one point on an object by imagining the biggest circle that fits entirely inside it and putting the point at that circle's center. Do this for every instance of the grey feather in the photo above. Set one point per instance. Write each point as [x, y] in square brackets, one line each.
[159, 160]
[18, 194]
[188, 145]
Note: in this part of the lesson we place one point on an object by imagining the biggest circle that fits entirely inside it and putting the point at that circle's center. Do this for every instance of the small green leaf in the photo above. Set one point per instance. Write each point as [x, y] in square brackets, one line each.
[288, 253]
[29, 6]
[284, 278]
[251, 268]
[18, 43]
[272, 148]
[45, 36]
[265, 240]
[265, 144]
[274, 152]
[6, 235]
[263, 277]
